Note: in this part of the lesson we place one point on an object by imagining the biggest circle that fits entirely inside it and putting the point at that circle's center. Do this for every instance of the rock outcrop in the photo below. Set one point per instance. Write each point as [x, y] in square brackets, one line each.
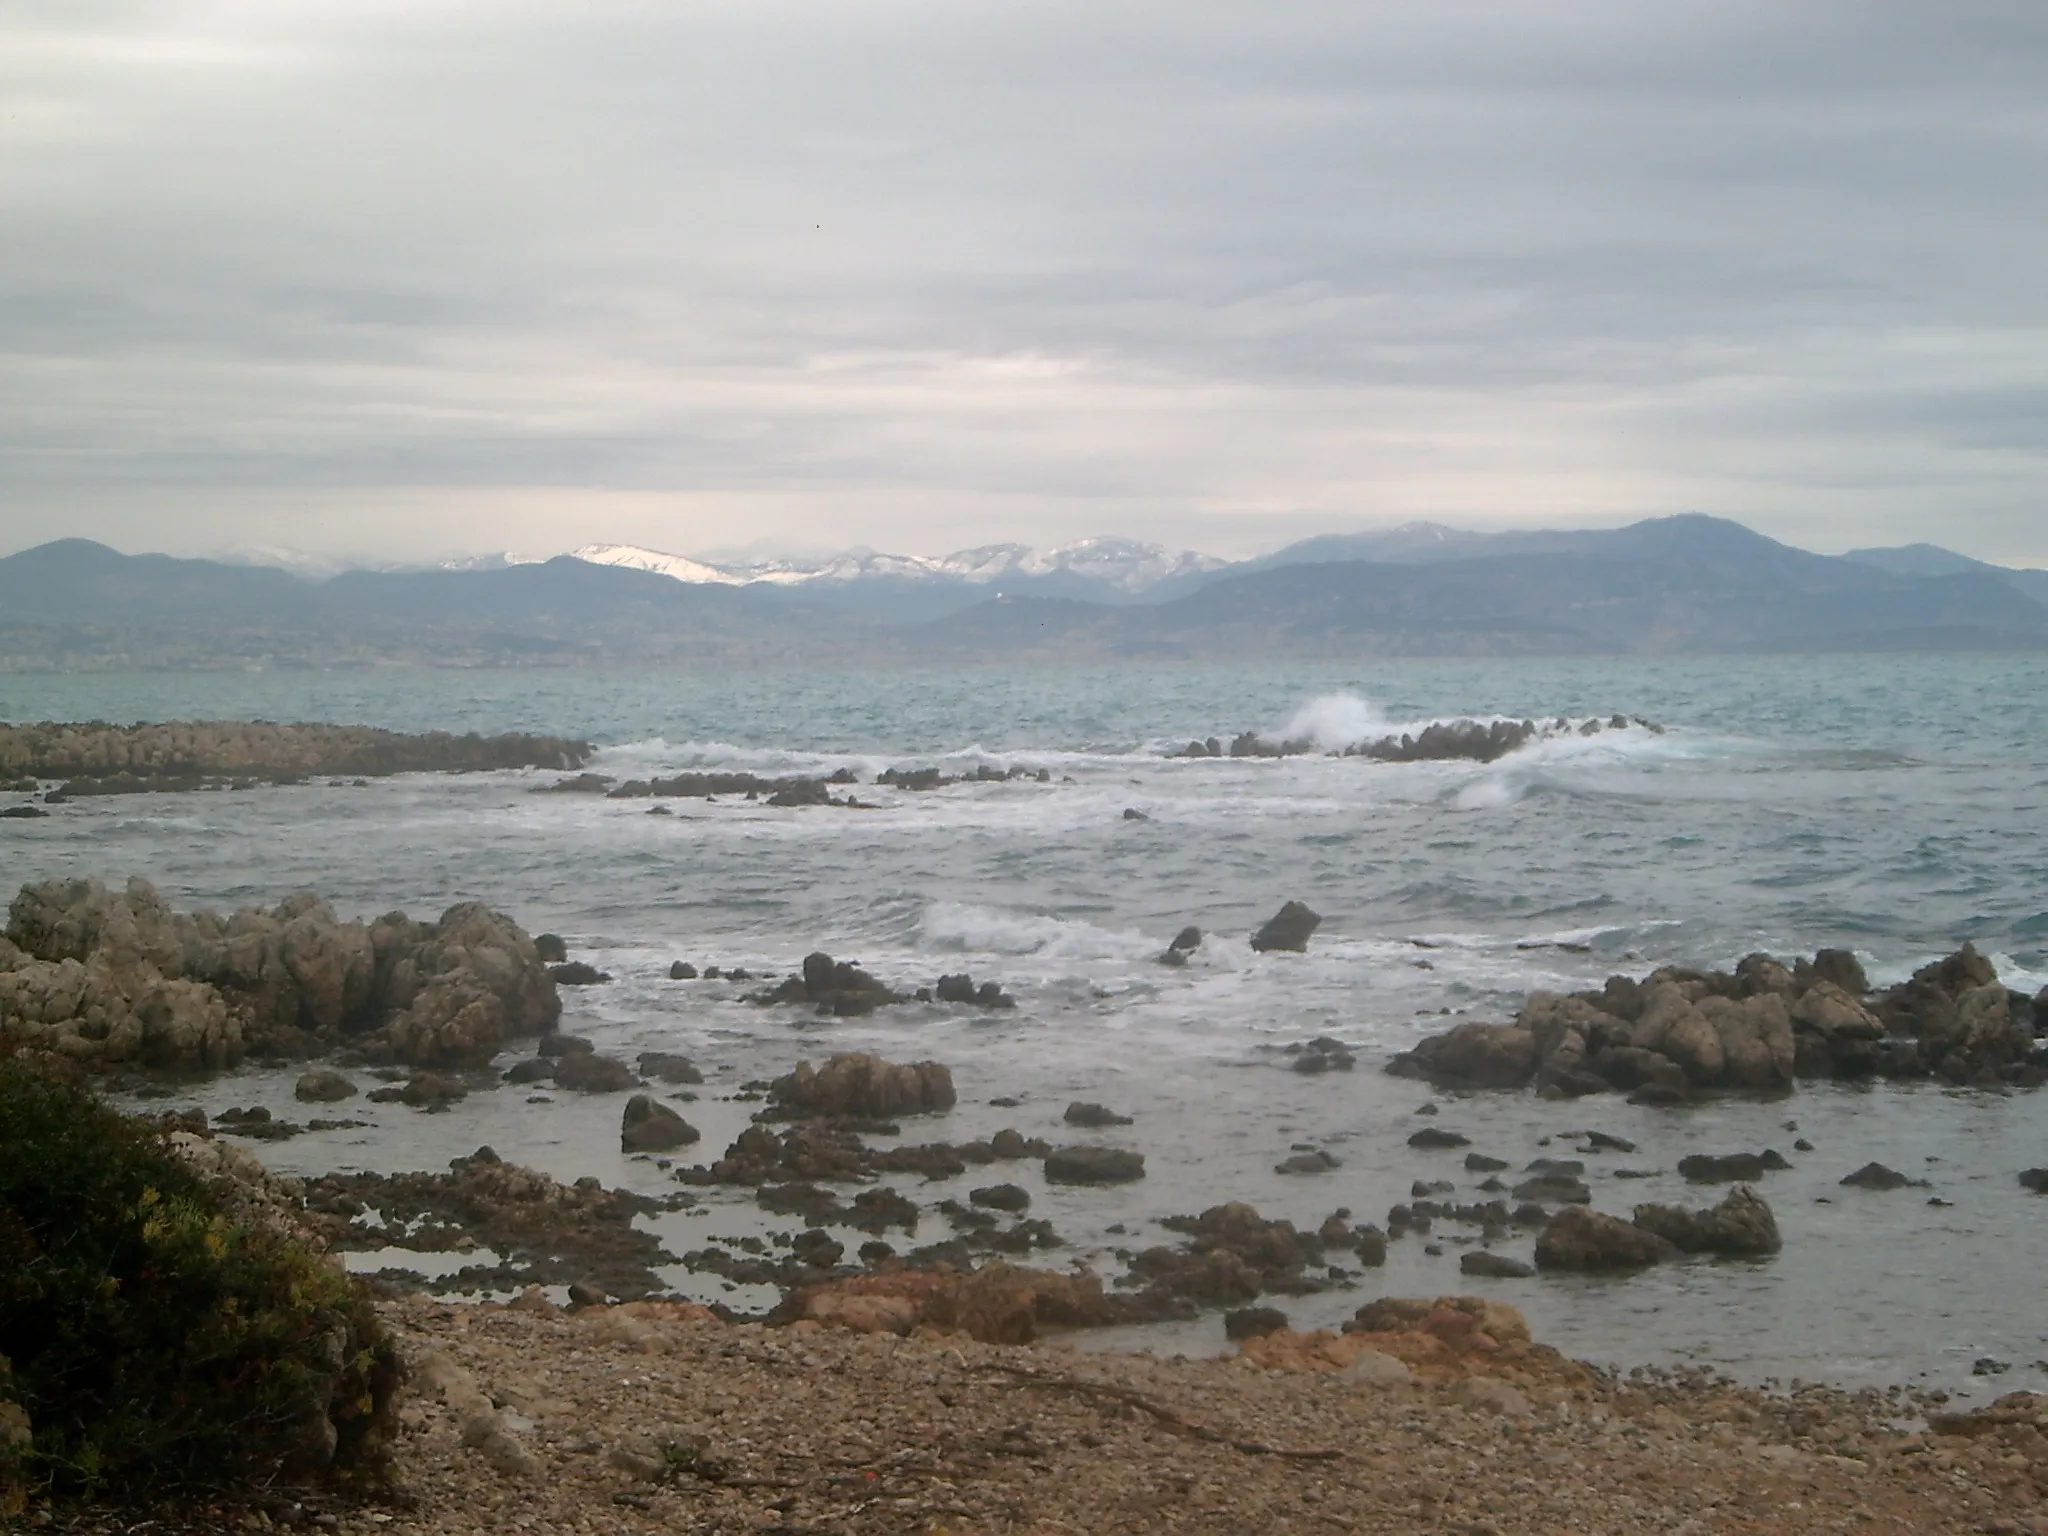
[109, 979]
[1677, 1032]
[1288, 929]
[860, 1086]
[97, 759]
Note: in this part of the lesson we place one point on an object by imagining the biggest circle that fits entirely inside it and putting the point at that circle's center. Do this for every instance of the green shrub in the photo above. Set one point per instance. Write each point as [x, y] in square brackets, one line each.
[159, 1343]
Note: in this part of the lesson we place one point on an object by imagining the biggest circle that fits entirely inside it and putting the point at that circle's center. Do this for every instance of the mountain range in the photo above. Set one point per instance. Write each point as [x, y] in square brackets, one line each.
[1674, 585]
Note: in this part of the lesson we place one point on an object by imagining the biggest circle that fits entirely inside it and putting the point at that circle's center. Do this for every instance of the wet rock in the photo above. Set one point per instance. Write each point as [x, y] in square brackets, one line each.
[1308, 1162]
[578, 973]
[1839, 968]
[1731, 1168]
[682, 970]
[1288, 929]
[1001, 1197]
[1553, 1189]
[2035, 1179]
[561, 1045]
[1094, 1165]
[1472, 1056]
[648, 1125]
[1187, 940]
[1093, 1116]
[1584, 1240]
[1253, 1322]
[1600, 1141]
[551, 948]
[1479, 1162]
[1495, 1266]
[588, 1072]
[1431, 1139]
[1320, 1055]
[323, 1087]
[861, 1085]
[539, 1069]
[1132, 813]
[1741, 1226]
[1877, 1176]
[665, 1067]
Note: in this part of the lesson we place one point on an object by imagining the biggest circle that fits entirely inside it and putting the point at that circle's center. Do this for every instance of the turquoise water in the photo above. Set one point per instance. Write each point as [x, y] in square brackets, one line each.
[1890, 805]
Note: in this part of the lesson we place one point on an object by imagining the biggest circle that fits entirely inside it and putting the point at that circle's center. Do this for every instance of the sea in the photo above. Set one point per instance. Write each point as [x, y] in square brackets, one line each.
[1892, 805]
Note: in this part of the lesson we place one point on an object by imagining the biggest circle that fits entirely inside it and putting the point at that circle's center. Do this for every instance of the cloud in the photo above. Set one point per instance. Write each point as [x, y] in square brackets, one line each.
[913, 274]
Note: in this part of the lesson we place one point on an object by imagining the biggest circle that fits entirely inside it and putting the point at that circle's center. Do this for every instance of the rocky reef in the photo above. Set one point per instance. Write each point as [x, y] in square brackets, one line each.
[1478, 741]
[100, 759]
[109, 979]
[1677, 1032]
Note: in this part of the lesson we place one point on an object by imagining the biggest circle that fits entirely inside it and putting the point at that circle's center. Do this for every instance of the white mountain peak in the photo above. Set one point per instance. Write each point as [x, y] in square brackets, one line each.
[1119, 562]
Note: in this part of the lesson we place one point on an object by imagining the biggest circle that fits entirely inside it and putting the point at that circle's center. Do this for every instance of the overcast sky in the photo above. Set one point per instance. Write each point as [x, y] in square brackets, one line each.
[405, 278]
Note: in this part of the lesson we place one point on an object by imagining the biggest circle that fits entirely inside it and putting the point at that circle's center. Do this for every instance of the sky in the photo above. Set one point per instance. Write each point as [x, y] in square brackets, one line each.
[384, 280]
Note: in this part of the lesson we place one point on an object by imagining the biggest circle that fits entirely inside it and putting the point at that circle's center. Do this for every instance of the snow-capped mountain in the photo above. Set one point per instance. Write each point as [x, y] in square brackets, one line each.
[1124, 564]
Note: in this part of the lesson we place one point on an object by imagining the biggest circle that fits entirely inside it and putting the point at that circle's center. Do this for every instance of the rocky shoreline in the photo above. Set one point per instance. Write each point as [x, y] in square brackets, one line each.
[93, 758]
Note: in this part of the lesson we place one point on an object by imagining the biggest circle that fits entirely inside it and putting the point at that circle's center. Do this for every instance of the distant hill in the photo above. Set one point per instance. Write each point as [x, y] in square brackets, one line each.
[1668, 586]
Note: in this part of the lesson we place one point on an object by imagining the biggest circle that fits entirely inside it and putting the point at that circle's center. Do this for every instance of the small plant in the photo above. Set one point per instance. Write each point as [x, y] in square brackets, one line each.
[159, 1342]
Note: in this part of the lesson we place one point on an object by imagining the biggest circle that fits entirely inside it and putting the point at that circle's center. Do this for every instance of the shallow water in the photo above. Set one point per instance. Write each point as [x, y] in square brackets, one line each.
[1891, 805]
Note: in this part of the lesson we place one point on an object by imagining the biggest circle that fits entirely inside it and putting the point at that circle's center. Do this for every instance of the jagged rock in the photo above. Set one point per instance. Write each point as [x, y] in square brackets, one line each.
[1581, 1239]
[1288, 929]
[682, 970]
[1740, 1226]
[1755, 1038]
[1093, 1116]
[1320, 1055]
[649, 1125]
[865, 1086]
[1187, 940]
[1831, 1012]
[323, 1087]
[578, 973]
[1094, 1165]
[552, 948]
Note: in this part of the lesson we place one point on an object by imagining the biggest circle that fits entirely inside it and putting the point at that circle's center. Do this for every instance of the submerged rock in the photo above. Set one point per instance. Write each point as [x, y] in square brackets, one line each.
[1094, 1165]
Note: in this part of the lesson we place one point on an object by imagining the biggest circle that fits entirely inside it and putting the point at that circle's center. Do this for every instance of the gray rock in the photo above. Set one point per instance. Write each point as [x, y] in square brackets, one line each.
[649, 1125]
[1583, 1240]
[1094, 1165]
[1288, 929]
[1093, 1116]
[1741, 1226]
[1495, 1266]
[324, 1087]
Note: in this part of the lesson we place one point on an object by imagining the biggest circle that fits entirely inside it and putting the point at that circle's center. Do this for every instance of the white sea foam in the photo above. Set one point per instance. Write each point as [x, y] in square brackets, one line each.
[963, 927]
[1333, 722]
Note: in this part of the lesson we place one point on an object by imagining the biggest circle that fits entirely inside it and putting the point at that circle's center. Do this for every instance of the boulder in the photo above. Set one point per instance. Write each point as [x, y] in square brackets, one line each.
[1831, 1012]
[1495, 1266]
[1877, 1176]
[1430, 1139]
[682, 970]
[665, 1067]
[588, 1072]
[578, 973]
[865, 1087]
[1001, 1197]
[1093, 1116]
[1472, 1056]
[649, 1125]
[1741, 1226]
[1731, 1168]
[1755, 1038]
[1584, 1240]
[552, 948]
[1253, 1322]
[1288, 929]
[1093, 1165]
[1839, 968]
[323, 1087]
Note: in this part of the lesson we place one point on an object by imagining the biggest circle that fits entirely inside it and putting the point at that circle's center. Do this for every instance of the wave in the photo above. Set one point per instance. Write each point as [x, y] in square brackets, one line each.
[963, 927]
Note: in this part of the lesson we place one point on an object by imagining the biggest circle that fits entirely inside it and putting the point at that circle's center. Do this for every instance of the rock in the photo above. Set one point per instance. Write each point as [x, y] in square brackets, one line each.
[562, 1045]
[1320, 1055]
[1186, 941]
[2035, 1179]
[1584, 1240]
[1838, 968]
[1732, 1168]
[588, 1072]
[578, 973]
[1430, 1139]
[1488, 1394]
[682, 970]
[664, 1067]
[865, 1087]
[649, 1125]
[1288, 929]
[1308, 1162]
[1479, 1162]
[582, 1296]
[1636, 1067]
[955, 989]
[1673, 1026]
[538, 1070]
[323, 1087]
[1132, 813]
[1877, 1176]
[1093, 1116]
[1001, 1197]
[1376, 1368]
[1094, 1165]
[1496, 1266]
[552, 948]
[997, 1304]
[1253, 1322]
[1472, 1056]
[1741, 1226]
[1831, 1012]
[1553, 1189]
[1755, 1038]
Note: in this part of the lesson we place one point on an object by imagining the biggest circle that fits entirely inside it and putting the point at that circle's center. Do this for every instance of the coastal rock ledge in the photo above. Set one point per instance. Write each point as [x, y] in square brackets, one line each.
[1676, 1032]
[110, 979]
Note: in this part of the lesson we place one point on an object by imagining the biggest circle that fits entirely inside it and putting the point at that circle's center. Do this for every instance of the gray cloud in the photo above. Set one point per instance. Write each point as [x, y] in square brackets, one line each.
[444, 275]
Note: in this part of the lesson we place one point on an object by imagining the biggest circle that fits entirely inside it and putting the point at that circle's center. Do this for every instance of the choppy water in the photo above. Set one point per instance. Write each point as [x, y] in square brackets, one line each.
[1890, 805]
